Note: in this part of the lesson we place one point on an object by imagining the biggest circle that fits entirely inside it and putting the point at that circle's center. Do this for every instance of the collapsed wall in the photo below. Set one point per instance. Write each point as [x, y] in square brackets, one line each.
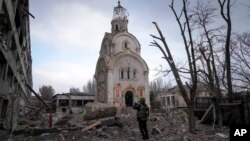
[15, 61]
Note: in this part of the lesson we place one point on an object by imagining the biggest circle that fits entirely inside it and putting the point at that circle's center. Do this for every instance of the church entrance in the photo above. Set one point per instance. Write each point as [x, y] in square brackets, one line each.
[129, 98]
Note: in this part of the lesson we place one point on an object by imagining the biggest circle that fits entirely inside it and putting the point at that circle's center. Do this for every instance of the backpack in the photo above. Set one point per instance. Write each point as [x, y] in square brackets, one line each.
[143, 112]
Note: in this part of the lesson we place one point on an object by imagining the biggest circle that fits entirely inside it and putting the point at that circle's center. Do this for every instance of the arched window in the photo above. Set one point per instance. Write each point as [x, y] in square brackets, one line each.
[116, 27]
[128, 73]
[126, 44]
[110, 50]
[122, 73]
[105, 49]
[134, 74]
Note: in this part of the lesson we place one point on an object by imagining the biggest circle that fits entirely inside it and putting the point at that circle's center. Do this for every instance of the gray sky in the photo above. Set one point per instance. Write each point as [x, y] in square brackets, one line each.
[66, 36]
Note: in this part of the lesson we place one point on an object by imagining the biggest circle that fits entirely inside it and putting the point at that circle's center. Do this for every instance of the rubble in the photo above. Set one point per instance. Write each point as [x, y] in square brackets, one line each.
[98, 122]
[222, 135]
[171, 127]
[155, 131]
[98, 110]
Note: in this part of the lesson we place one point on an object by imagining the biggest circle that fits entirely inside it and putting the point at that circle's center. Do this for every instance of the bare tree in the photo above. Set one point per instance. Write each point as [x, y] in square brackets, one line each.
[158, 85]
[225, 11]
[46, 92]
[186, 33]
[241, 61]
[204, 15]
[74, 90]
[89, 87]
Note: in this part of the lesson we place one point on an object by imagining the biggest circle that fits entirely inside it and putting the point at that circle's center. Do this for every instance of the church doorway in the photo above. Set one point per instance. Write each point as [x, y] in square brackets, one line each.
[129, 98]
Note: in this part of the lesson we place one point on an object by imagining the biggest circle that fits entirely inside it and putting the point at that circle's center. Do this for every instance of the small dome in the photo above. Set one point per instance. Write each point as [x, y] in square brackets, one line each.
[120, 12]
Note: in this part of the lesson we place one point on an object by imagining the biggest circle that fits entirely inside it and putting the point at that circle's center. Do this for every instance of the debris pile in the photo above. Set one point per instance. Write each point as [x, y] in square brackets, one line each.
[98, 110]
[166, 127]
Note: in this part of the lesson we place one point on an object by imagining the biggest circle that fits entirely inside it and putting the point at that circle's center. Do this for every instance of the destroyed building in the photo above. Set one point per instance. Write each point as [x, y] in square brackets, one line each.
[71, 102]
[172, 98]
[15, 61]
[121, 73]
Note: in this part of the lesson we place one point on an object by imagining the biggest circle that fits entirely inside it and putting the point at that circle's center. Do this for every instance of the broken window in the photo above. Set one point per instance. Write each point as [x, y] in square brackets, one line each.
[63, 102]
[168, 100]
[4, 105]
[2, 66]
[76, 102]
[10, 77]
[163, 101]
[86, 101]
[64, 110]
[173, 100]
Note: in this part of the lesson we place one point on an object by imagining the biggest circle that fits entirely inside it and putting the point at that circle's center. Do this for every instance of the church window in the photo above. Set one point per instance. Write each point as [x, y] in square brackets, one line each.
[105, 49]
[110, 50]
[128, 73]
[134, 74]
[126, 44]
[122, 74]
[116, 27]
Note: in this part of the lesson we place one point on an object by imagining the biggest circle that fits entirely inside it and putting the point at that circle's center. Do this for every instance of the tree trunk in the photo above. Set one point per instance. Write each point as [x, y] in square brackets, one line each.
[191, 119]
[227, 18]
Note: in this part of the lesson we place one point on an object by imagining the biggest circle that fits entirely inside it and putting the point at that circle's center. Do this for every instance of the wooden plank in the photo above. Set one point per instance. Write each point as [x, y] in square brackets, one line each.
[206, 114]
[98, 122]
[229, 104]
[214, 115]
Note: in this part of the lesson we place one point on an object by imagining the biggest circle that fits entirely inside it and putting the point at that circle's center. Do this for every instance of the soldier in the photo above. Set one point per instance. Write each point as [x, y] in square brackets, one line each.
[142, 117]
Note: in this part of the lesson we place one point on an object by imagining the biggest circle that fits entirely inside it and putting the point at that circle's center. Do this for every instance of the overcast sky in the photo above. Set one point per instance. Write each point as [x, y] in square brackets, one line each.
[66, 36]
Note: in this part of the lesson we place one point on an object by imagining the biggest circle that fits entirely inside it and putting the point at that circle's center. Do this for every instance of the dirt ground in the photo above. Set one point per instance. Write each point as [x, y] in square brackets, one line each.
[162, 127]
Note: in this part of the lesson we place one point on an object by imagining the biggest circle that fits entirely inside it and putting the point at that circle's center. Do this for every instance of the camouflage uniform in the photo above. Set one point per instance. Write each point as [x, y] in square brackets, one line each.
[142, 117]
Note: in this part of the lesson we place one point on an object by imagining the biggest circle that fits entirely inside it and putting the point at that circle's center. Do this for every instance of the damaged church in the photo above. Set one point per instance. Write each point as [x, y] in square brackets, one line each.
[121, 73]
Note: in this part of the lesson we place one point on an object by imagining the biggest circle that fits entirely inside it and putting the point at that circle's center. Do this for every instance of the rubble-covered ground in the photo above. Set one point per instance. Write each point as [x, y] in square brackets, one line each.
[163, 127]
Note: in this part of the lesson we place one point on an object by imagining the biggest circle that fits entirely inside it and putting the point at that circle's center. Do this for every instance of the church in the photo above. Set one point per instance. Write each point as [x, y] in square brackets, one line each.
[121, 74]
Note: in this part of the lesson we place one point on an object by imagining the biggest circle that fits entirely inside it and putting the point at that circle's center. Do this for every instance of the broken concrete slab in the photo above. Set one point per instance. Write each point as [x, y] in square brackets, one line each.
[98, 110]
[222, 135]
[155, 131]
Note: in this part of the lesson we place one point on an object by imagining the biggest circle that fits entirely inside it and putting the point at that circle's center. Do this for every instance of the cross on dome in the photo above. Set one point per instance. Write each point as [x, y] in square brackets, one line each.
[120, 12]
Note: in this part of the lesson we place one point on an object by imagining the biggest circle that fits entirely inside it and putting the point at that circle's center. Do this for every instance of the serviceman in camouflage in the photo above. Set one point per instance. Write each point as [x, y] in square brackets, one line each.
[142, 117]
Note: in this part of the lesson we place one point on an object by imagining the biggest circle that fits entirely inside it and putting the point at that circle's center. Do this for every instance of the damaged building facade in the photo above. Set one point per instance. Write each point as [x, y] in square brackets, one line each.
[15, 61]
[71, 102]
[121, 74]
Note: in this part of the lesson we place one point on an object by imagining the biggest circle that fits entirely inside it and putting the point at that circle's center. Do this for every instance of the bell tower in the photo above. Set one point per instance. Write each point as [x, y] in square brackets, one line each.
[120, 21]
